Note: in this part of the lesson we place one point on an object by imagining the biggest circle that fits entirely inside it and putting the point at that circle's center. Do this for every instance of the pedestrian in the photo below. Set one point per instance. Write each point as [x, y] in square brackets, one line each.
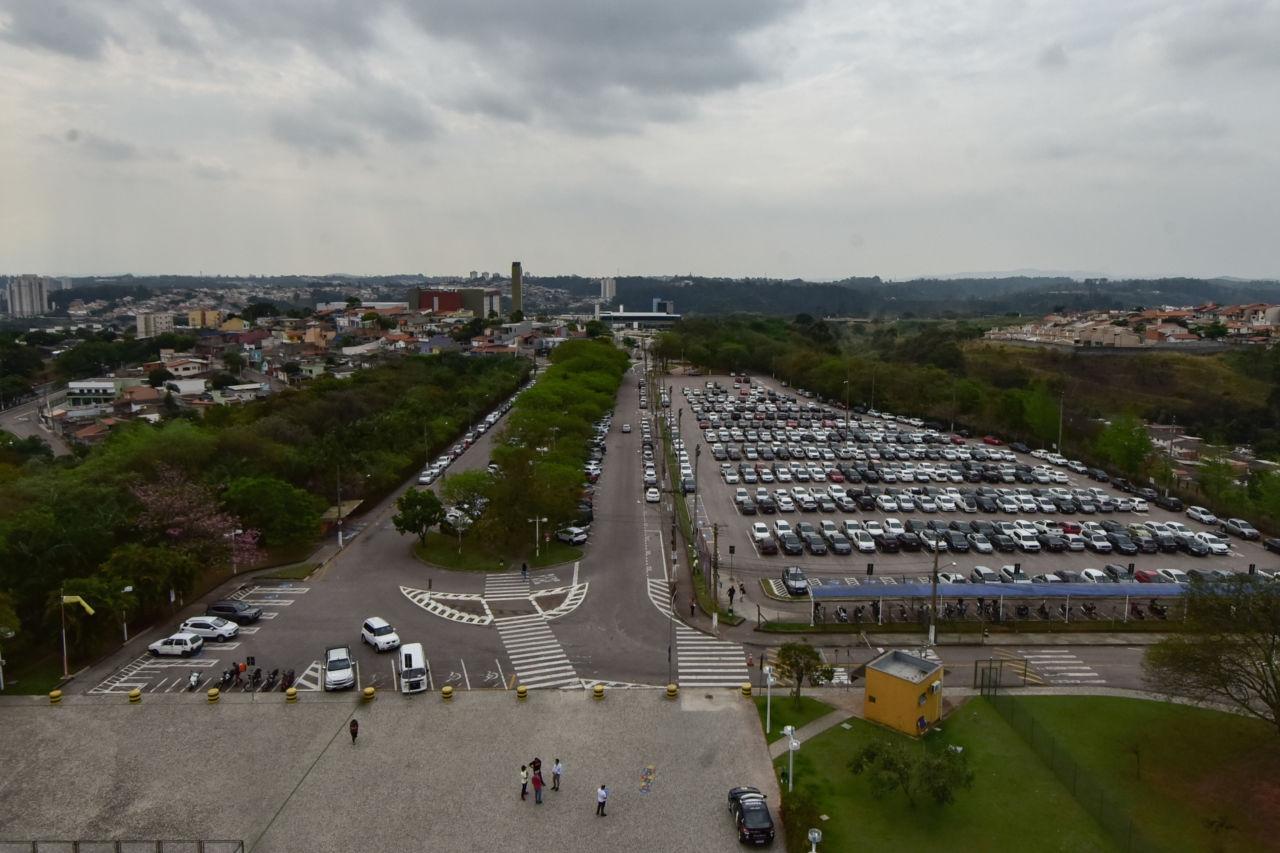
[602, 796]
[524, 571]
[535, 766]
[693, 604]
[732, 592]
[537, 788]
[556, 769]
[355, 730]
[524, 782]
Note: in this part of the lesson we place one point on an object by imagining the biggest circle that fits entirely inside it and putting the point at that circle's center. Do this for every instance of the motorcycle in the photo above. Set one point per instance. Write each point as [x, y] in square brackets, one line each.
[1090, 610]
[1043, 610]
[271, 681]
[228, 676]
[287, 681]
[1022, 611]
[1158, 610]
[842, 615]
[857, 613]
[253, 681]
[1135, 611]
[194, 680]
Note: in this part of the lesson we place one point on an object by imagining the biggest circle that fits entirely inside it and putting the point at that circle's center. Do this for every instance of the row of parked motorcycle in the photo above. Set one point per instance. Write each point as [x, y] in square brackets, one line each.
[239, 676]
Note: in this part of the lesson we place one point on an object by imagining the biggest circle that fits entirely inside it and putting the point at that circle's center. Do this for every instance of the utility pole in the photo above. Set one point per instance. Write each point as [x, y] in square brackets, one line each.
[715, 567]
[933, 605]
[338, 467]
[1062, 402]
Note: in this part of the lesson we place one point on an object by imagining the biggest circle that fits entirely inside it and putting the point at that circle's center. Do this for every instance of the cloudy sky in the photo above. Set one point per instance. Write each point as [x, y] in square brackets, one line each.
[816, 138]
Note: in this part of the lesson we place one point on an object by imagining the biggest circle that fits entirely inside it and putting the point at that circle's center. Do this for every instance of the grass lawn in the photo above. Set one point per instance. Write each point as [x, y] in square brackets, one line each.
[785, 712]
[294, 572]
[31, 678]
[442, 551]
[1174, 768]
[1016, 802]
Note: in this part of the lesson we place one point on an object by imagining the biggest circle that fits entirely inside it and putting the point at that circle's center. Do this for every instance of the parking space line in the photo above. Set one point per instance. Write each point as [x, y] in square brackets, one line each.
[464, 672]
[498, 663]
[395, 684]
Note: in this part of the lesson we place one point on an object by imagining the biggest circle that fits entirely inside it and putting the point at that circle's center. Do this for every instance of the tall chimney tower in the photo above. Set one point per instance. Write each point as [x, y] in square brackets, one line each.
[517, 286]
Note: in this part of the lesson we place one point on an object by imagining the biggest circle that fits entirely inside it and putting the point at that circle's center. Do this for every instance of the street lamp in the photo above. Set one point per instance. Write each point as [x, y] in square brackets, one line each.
[845, 383]
[792, 745]
[124, 623]
[768, 702]
[933, 606]
[815, 837]
[537, 534]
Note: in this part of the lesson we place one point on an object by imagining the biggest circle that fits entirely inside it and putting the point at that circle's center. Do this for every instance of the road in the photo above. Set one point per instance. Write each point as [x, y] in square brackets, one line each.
[24, 422]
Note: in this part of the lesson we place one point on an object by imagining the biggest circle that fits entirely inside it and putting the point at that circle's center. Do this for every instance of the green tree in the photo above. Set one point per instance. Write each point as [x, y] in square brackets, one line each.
[1214, 330]
[1227, 649]
[895, 765]
[158, 377]
[152, 570]
[419, 511]
[233, 362]
[282, 513]
[1125, 443]
[596, 328]
[8, 615]
[466, 490]
[354, 302]
[516, 317]
[800, 662]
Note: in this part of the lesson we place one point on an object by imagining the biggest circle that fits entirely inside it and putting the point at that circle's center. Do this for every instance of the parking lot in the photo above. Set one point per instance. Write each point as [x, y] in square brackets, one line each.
[884, 490]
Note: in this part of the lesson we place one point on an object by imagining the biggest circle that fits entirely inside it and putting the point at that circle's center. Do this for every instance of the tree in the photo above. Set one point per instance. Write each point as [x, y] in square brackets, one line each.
[516, 317]
[1214, 330]
[185, 515]
[596, 328]
[233, 361]
[1124, 442]
[8, 614]
[283, 514]
[800, 662]
[1227, 650]
[353, 302]
[221, 380]
[899, 766]
[466, 490]
[158, 377]
[419, 511]
[152, 571]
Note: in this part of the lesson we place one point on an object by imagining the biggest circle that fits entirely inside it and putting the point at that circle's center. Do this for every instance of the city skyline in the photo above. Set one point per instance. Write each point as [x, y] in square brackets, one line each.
[773, 139]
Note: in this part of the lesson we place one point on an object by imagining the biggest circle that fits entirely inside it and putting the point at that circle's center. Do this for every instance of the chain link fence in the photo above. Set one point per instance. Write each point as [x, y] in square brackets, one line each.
[1084, 786]
[137, 846]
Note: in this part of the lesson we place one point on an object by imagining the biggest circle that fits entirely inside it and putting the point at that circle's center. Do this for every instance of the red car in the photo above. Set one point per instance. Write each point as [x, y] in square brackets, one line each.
[835, 476]
[1147, 576]
[955, 439]
[992, 440]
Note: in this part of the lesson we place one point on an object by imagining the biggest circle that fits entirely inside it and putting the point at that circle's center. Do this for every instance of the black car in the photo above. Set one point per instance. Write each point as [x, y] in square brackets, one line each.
[1003, 543]
[840, 544]
[1019, 447]
[887, 543]
[1146, 544]
[1272, 545]
[814, 543]
[908, 541]
[1166, 542]
[767, 505]
[986, 503]
[1098, 474]
[751, 816]
[1052, 542]
[1169, 502]
[1191, 545]
[234, 611]
[1122, 544]
[791, 545]
[956, 542]
[747, 507]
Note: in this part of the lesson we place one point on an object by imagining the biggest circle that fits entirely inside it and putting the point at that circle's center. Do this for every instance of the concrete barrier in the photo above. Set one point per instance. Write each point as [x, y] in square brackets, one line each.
[135, 696]
[673, 691]
[55, 697]
[522, 693]
[446, 692]
[213, 694]
[598, 692]
[291, 695]
[746, 689]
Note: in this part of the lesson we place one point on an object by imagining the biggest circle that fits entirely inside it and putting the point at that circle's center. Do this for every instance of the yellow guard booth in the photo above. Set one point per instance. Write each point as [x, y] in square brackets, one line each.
[904, 692]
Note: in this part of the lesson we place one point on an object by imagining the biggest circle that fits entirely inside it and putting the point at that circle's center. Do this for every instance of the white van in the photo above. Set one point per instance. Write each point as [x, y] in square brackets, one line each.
[413, 668]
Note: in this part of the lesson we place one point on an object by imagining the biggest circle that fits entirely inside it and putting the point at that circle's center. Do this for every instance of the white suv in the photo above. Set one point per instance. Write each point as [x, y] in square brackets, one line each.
[378, 633]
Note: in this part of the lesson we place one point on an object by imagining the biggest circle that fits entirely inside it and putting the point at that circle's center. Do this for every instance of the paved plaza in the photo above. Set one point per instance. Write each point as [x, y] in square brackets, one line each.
[424, 774]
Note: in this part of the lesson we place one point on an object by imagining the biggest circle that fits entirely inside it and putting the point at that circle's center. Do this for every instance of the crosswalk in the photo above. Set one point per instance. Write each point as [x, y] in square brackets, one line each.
[536, 654]
[705, 661]
[438, 604]
[1061, 666]
[508, 586]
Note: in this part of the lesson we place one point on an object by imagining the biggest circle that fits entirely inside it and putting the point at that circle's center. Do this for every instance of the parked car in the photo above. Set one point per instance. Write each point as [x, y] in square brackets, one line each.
[794, 581]
[378, 633]
[1202, 515]
[1168, 502]
[572, 535]
[210, 628]
[1013, 574]
[234, 611]
[339, 670]
[1272, 545]
[652, 496]
[751, 816]
[983, 574]
[182, 644]
[1240, 527]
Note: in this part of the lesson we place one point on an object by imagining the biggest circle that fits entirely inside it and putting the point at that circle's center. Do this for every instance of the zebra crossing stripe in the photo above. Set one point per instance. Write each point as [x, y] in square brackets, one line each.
[535, 653]
[704, 661]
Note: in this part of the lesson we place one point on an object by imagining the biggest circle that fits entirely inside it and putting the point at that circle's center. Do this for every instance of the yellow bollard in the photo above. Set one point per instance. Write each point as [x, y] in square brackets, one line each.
[213, 695]
[522, 693]
[135, 696]
[291, 695]
[672, 691]
[369, 694]
[446, 692]
[598, 691]
[746, 689]
[55, 697]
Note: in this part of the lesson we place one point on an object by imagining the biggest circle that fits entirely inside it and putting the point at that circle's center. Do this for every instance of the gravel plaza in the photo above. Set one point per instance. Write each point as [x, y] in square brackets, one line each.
[424, 774]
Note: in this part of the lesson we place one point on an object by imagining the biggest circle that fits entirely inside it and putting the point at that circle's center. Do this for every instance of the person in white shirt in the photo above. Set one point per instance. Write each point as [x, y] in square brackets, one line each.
[602, 796]
[556, 769]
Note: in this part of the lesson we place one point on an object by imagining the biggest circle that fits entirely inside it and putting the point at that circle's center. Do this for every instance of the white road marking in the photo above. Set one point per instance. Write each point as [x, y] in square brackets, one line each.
[464, 673]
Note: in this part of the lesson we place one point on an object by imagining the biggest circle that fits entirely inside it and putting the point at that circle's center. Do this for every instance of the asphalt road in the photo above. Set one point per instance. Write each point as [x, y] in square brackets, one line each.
[24, 422]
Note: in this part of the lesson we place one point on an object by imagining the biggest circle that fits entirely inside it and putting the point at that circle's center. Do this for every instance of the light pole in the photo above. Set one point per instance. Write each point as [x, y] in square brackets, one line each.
[124, 622]
[768, 702]
[338, 469]
[233, 535]
[815, 837]
[845, 383]
[792, 745]
[933, 604]
[1062, 403]
[697, 454]
[537, 534]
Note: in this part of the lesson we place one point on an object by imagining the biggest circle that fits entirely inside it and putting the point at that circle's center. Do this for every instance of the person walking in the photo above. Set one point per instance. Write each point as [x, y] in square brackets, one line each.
[524, 782]
[602, 796]
[524, 571]
[355, 730]
[537, 788]
[556, 769]
[693, 603]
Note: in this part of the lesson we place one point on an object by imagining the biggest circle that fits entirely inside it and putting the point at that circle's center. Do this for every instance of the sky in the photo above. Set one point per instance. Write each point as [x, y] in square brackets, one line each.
[783, 138]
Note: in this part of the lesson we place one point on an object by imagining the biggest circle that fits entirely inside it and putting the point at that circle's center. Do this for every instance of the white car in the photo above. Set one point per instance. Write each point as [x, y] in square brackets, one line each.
[893, 527]
[980, 543]
[378, 633]
[1026, 541]
[873, 528]
[652, 496]
[1202, 515]
[781, 526]
[1216, 544]
[1094, 576]
[886, 503]
[759, 531]
[181, 644]
[862, 541]
[1075, 542]
[339, 670]
[210, 627]
[572, 536]
[1175, 575]
[626, 427]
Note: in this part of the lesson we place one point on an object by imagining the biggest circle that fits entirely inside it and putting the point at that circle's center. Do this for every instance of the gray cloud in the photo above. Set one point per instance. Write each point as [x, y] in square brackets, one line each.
[345, 122]
[1052, 57]
[71, 29]
[1244, 32]
[102, 147]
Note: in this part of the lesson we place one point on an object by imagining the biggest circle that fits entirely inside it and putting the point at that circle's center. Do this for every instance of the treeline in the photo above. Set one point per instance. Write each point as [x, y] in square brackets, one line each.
[544, 445]
[154, 507]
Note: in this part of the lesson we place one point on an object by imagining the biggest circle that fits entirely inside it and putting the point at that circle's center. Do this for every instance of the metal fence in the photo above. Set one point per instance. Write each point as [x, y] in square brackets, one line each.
[134, 846]
[1084, 786]
[993, 673]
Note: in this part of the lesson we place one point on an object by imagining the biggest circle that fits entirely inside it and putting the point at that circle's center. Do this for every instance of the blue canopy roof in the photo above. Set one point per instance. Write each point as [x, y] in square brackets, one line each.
[828, 590]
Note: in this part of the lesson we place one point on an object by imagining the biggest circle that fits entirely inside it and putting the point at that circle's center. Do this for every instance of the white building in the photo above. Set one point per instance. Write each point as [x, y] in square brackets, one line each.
[152, 324]
[28, 296]
[608, 289]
